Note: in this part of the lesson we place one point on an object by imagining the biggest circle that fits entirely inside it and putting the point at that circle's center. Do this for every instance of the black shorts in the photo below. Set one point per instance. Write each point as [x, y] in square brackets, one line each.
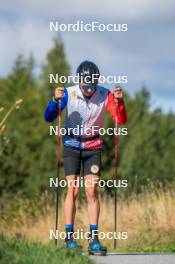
[89, 159]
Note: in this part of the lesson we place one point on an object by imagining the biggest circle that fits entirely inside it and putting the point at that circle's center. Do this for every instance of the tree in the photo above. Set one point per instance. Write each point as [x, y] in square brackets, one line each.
[30, 158]
[56, 63]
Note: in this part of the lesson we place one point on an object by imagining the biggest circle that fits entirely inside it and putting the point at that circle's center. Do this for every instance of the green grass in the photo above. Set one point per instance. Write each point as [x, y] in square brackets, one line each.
[23, 252]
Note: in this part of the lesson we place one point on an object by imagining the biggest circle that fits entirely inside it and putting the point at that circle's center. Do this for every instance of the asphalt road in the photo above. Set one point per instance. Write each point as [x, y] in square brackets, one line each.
[135, 259]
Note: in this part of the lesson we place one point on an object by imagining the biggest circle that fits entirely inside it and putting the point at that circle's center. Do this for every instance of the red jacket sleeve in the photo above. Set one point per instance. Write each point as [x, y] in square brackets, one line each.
[121, 110]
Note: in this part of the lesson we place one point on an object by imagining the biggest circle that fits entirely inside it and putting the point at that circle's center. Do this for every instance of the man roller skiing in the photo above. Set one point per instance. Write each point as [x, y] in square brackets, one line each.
[85, 106]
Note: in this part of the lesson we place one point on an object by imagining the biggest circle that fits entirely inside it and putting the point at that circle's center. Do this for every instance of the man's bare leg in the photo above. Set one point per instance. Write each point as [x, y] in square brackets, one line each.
[95, 247]
[92, 198]
[70, 200]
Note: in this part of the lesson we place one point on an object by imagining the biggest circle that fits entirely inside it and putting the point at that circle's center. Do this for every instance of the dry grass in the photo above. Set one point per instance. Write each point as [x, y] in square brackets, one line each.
[148, 219]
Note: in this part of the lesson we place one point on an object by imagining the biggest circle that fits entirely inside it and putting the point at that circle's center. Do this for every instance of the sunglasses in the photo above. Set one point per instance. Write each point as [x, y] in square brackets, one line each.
[86, 87]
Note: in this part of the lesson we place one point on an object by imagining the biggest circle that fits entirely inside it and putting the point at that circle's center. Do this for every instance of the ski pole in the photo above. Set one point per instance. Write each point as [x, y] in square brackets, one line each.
[58, 169]
[116, 173]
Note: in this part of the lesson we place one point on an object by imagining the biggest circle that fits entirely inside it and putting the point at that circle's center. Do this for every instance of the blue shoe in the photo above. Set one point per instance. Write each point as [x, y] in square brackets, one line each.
[95, 248]
[71, 244]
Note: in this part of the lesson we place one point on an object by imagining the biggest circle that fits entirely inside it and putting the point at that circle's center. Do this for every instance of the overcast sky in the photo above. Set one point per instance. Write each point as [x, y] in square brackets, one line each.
[145, 53]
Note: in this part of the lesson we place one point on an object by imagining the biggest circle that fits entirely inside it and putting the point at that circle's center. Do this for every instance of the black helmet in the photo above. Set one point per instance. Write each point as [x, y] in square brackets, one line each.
[88, 72]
